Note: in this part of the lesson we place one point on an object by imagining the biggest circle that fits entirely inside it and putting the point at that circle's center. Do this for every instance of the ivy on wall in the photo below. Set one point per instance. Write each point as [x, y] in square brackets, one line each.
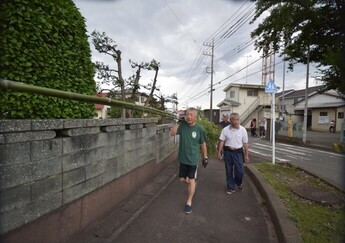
[44, 43]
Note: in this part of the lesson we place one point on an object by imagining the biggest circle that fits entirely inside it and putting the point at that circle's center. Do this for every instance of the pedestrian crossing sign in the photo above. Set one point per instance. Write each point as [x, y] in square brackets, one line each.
[271, 87]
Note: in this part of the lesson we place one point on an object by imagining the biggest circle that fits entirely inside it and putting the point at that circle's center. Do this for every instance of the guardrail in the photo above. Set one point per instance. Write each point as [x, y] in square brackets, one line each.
[11, 86]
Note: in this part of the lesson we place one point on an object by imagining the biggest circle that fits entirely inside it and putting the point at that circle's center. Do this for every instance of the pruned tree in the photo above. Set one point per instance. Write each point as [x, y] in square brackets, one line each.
[104, 44]
[154, 65]
[295, 27]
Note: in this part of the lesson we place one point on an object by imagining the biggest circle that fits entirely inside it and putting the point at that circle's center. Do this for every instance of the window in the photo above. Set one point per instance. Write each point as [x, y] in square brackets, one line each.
[340, 114]
[232, 94]
[252, 92]
[323, 118]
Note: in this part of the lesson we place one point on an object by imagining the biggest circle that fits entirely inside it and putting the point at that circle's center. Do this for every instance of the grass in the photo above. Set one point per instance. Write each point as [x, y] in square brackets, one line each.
[315, 222]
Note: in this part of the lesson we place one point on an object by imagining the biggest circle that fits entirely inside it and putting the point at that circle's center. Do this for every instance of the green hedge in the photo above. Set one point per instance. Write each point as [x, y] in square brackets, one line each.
[44, 43]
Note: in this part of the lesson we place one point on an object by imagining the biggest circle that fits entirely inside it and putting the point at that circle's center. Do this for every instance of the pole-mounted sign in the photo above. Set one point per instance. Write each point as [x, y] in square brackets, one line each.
[272, 88]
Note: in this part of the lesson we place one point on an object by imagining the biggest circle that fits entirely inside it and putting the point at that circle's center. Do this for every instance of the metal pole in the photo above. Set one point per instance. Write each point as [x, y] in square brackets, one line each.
[283, 101]
[306, 102]
[273, 129]
[27, 88]
[211, 96]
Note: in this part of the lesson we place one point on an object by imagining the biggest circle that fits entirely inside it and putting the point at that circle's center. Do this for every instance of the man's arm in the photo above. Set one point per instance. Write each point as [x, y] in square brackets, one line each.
[220, 148]
[204, 149]
[173, 130]
[246, 152]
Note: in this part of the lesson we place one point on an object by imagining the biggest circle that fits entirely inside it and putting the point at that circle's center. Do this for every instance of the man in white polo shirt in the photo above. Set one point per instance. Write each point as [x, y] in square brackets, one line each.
[235, 139]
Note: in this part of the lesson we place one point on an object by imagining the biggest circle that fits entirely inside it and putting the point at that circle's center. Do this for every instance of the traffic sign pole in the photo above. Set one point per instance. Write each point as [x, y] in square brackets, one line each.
[273, 128]
[272, 88]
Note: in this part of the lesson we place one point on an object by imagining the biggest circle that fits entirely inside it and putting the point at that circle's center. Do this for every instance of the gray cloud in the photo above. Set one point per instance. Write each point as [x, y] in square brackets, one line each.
[173, 32]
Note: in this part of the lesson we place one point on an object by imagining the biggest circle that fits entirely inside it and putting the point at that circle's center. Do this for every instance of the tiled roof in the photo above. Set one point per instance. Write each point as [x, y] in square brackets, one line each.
[301, 92]
[286, 92]
[228, 102]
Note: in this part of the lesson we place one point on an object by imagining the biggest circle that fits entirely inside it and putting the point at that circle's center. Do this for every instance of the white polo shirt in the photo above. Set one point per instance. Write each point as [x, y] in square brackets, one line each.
[234, 137]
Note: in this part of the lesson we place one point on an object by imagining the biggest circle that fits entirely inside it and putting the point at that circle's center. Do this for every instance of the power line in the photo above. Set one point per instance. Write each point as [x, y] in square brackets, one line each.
[222, 34]
[181, 22]
[203, 93]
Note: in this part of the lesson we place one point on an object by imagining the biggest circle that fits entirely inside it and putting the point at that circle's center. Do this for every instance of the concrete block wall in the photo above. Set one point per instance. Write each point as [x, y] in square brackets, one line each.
[48, 164]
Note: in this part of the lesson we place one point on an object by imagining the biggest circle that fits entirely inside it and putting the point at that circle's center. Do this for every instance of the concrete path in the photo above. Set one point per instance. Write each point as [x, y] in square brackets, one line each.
[216, 216]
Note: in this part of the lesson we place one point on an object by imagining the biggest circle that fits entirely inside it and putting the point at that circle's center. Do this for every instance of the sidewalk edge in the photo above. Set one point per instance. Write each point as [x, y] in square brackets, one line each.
[285, 229]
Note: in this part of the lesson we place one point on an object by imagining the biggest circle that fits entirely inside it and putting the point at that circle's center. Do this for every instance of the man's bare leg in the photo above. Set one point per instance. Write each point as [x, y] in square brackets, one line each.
[191, 190]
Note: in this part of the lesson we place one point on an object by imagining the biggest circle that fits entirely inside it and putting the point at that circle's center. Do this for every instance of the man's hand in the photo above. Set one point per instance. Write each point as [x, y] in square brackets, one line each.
[205, 162]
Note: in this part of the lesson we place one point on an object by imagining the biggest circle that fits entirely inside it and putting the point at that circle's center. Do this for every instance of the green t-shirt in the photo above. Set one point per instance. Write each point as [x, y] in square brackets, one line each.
[191, 137]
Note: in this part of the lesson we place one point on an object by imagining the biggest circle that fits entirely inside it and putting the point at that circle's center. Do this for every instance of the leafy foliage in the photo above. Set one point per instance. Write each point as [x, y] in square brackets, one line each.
[44, 43]
[293, 27]
[212, 132]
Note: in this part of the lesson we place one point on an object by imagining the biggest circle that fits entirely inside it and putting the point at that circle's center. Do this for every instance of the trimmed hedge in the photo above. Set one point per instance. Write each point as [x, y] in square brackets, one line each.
[44, 43]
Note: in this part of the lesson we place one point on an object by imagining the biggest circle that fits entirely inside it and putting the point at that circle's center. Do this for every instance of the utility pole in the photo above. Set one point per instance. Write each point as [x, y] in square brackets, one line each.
[211, 90]
[283, 101]
[306, 102]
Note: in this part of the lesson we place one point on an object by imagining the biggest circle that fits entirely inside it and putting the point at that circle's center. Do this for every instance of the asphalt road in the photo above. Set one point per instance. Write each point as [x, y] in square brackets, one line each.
[326, 164]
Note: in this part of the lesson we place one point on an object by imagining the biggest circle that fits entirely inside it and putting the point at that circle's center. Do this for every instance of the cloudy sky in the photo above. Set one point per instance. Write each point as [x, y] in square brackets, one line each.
[178, 34]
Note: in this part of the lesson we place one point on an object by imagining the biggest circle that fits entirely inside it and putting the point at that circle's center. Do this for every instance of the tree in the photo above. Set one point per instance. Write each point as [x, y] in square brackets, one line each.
[106, 45]
[294, 26]
[44, 43]
[154, 65]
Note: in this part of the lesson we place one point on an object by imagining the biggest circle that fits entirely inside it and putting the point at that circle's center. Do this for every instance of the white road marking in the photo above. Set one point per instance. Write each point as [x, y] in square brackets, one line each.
[267, 155]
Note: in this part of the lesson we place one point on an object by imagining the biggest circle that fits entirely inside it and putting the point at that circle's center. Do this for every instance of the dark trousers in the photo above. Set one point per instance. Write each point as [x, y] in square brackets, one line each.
[253, 132]
[234, 169]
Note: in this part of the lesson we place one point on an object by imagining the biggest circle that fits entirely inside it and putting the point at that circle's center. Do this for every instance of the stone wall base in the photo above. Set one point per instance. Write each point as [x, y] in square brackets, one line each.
[70, 219]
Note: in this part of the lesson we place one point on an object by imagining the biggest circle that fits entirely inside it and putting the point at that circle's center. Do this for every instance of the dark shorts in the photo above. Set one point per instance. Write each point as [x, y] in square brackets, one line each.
[189, 171]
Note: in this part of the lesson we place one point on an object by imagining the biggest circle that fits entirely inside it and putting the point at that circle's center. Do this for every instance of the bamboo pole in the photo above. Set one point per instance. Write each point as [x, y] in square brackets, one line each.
[13, 86]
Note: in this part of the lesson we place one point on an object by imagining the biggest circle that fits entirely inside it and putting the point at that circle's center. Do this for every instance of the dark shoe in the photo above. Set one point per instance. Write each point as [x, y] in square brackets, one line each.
[240, 188]
[187, 209]
[230, 191]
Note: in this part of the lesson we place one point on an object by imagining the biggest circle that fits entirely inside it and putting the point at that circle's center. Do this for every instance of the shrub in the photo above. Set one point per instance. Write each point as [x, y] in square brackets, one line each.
[44, 43]
[212, 132]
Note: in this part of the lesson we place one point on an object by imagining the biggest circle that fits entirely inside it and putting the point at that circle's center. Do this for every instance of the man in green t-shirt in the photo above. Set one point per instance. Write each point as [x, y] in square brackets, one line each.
[192, 138]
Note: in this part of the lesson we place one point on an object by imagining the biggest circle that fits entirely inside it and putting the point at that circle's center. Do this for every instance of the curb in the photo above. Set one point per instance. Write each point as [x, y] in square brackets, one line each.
[324, 179]
[285, 229]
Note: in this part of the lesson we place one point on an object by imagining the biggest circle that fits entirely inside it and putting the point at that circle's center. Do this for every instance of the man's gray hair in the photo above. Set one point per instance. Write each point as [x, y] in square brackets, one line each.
[234, 115]
[192, 109]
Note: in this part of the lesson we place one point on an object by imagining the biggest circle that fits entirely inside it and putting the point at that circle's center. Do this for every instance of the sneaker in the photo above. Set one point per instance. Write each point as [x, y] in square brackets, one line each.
[230, 191]
[187, 209]
[240, 188]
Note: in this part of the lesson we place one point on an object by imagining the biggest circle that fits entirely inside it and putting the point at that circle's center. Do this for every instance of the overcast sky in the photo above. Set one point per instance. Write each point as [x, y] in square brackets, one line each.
[178, 33]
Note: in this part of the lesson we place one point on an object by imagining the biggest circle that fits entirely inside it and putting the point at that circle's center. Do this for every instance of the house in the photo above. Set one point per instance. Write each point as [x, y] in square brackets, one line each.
[291, 97]
[215, 115]
[249, 100]
[284, 105]
[102, 110]
[322, 108]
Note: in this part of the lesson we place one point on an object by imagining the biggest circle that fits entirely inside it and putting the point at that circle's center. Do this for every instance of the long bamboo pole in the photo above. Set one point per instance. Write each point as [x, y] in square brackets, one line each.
[13, 86]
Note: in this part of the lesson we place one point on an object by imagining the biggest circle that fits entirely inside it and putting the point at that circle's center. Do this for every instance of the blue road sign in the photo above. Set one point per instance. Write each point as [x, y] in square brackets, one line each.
[271, 87]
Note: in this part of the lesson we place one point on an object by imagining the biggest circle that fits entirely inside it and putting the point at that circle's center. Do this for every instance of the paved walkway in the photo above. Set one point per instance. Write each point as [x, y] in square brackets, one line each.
[155, 213]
